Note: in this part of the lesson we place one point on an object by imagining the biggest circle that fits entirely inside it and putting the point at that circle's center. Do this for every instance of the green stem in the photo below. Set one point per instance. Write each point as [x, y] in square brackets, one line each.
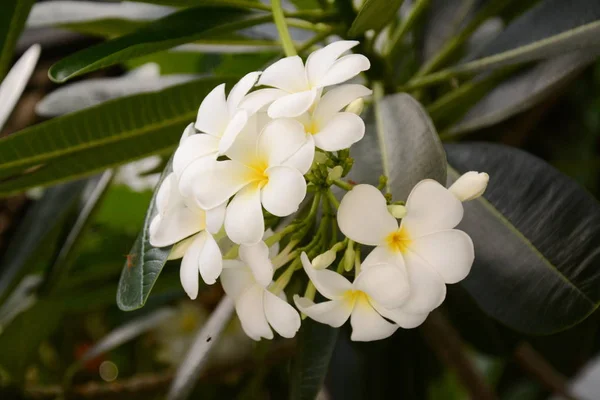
[309, 26]
[342, 184]
[334, 202]
[282, 28]
[405, 26]
[316, 39]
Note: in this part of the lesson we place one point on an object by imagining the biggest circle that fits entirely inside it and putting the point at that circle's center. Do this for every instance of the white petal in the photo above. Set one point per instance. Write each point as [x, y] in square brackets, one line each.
[287, 74]
[430, 208]
[260, 99]
[320, 61]
[386, 284]
[215, 217]
[450, 253]
[179, 249]
[210, 259]
[367, 324]
[256, 257]
[333, 313]
[236, 278]
[341, 132]
[188, 179]
[15, 81]
[337, 98]
[175, 226]
[194, 147]
[188, 272]
[427, 288]
[244, 221]
[399, 316]
[281, 316]
[470, 185]
[292, 105]
[280, 139]
[213, 115]
[243, 149]
[250, 310]
[382, 255]
[217, 184]
[330, 284]
[344, 69]
[235, 126]
[165, 191]
[303, 158]
[274, 249]
[284, 192]
[240, 90]
[187, 132]
[363, 216]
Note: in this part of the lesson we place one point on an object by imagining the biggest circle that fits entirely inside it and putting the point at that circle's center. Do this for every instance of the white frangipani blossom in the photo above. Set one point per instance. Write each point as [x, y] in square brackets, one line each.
[219, 122]
[360, 301]
[182, 223]
[247, 281]
[470, 185]
[295, 86]
[257, 173]
[424, 246]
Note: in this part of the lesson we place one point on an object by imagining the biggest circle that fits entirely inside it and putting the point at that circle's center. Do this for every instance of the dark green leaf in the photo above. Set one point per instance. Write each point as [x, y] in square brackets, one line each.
[523, 91]
[537, 240]
[189, 370]
[12, 20]
[412, 150]
[39, 226]
[374, 14]
[100, 137]
[309, 367]
[182, 27]
[144, 262]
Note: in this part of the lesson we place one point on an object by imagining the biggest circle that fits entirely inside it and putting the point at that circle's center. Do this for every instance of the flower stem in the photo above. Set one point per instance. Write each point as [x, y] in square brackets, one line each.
[405, 26]
[342, 184]
[282, 28]
[331, 197]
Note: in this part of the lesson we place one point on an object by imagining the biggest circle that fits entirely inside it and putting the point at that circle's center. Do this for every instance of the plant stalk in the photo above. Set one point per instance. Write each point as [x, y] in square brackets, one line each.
[282, 28]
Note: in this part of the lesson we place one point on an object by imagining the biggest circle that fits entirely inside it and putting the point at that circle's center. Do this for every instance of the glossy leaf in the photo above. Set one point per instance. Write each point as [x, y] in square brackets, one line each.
[100, 137]
[403, 132]
[189, 370]
[12, 20]
[144, 262]
[522, 91]
[182, 27]
[536, 236]
[316, 342]
[374, 14]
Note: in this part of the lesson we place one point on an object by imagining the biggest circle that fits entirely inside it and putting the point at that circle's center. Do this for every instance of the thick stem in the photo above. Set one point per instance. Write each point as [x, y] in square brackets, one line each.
[282, 28]
[446, 343]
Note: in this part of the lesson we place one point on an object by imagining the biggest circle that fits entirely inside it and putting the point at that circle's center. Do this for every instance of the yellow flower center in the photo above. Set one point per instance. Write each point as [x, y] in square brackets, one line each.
[351, 297]
[258, 172]
[312, 127]
[399, 241]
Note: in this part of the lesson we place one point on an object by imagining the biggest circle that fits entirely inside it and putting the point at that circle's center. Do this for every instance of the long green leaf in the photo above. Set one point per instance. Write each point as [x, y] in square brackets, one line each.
[552, 28]
[405, 140]
[537, 240]
[311, 363]
[182, 27]
[374, 14]
[144, 262]
[97, 138]
[12, 20]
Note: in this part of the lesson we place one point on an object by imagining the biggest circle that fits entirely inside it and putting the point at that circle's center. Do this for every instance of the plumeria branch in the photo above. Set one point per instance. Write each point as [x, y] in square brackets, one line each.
[282, 28]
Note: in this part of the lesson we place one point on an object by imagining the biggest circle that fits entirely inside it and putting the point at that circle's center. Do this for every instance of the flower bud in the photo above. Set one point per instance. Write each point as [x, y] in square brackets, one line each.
[324, 260]
[470, 185]
[356, 107]
[397, 210]
[335, 173]
[320, 158]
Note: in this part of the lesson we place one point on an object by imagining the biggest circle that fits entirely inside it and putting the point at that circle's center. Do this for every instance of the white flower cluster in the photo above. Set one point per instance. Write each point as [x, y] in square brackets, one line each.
[255, 150]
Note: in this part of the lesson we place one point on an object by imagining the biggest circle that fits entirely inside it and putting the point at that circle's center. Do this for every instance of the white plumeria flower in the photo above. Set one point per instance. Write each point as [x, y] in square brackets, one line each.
[247, 281]
[424, 245]
[219, 122]
[360, 301]
[296, 86]
[182, 223]
[327, 127]
[470, 185]
[257, 173]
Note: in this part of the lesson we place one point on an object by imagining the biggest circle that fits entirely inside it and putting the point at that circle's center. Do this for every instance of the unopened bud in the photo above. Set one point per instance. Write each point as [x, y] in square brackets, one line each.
[324, 260]
[470, 185]
[356, 107]
[320, 158]
[349, 256]
[397, 210]
[335, 173]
